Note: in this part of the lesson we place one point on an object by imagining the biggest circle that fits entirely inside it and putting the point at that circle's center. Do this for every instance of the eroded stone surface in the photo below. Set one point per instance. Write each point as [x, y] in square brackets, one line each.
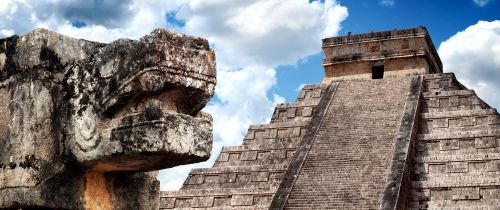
[407, 51]
[80, 121]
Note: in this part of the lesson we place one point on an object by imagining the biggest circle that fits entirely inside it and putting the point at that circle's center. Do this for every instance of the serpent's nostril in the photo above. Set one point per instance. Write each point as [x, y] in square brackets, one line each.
[152, 110]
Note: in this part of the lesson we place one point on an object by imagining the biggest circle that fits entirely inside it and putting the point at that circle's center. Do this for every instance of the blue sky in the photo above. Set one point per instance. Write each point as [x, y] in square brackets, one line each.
[267, 49]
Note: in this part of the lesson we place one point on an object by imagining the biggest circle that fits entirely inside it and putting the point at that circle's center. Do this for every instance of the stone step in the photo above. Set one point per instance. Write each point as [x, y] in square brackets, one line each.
[276, 125]
[490, 204]
[442, 158]
[281, 131]
[218, 202]
[457, 148]
[291, 111]
[449, 193]
[263, 158]
[466, 152]
[458, 135]
[443, 127]
[459, 121]
[245, 183]
[441, 82]
[285, 140]
[237, 169]
[453, 100]
[458, 114]
[461, 168]
[428, 77]
[243, 177]
[465, 181]
[311, 92]
[465, 145]
[275, 152]
[455, 175]
[434, 93]
[217, 199]
[243, 148]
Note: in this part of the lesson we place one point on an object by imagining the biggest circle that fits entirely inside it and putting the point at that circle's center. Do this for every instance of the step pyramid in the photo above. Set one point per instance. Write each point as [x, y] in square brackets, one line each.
[387, 129]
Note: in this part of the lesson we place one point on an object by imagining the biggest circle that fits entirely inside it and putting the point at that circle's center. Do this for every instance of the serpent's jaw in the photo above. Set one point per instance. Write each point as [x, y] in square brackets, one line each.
[142, 113]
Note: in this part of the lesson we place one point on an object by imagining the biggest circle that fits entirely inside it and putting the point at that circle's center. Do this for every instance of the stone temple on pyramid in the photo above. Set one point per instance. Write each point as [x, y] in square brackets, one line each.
[87, 126]
[386, 129]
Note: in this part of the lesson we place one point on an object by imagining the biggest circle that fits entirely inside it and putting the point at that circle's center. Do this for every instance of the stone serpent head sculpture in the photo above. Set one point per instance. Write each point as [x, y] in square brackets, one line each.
[84, 125]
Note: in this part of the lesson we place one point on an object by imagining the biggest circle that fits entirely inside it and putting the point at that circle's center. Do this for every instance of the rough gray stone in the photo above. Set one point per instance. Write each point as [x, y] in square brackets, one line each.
[82, 123]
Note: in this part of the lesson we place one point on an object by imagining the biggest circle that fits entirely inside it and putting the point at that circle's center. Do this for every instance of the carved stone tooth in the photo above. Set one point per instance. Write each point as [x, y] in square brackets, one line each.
[153, 110]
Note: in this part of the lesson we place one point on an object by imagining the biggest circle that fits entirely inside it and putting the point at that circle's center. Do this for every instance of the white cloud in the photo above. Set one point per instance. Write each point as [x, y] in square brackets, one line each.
[106, 21]
[481, 3]
[388, 3]
[243, 94]
[267, 32]
[6, 32]
[474, 56]
[251, 38]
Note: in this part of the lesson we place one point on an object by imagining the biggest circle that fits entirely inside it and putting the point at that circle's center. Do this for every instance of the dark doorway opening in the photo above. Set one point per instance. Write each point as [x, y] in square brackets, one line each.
[377, 72]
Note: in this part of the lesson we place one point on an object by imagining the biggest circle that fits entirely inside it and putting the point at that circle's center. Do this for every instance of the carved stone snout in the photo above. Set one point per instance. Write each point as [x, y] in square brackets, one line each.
[77, 113]
[142, 110]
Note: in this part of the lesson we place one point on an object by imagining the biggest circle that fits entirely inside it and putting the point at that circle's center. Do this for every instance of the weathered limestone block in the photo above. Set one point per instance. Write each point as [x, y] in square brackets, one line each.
[83, 125]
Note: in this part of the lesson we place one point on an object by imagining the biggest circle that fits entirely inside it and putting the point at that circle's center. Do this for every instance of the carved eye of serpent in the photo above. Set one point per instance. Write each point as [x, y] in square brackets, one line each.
[86, 130]
[87, 127]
